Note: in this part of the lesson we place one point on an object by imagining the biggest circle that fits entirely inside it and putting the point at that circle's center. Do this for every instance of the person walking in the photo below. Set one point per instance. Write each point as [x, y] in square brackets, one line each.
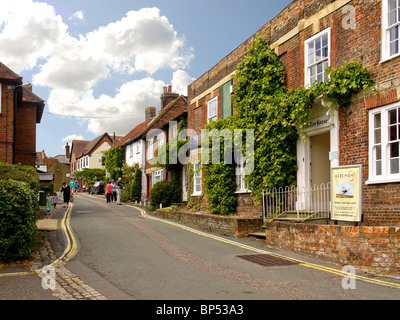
[114, 191]
[55, 200]
[66, 191]
[119, 187]
[49, 202]
[72, 186]
[109, 194]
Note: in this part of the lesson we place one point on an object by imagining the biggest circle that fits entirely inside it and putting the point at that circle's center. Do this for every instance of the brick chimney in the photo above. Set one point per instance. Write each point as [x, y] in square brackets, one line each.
[150, 112]
[167, 96]
[67, 152]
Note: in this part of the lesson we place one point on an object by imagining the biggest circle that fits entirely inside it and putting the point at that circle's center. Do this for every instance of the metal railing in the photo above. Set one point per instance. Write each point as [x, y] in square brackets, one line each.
[297, 203]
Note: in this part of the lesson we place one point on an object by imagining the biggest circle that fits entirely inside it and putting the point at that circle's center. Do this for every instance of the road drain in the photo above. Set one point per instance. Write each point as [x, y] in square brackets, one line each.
[267, 260]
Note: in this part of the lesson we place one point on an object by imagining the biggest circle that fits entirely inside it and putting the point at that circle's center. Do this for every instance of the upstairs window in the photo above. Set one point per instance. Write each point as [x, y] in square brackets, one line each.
[390, 29]
[150, 151]
[213, 109]
[317, 57]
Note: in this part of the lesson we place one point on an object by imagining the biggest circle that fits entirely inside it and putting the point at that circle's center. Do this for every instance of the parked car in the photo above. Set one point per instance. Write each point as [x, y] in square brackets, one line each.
[97, 188]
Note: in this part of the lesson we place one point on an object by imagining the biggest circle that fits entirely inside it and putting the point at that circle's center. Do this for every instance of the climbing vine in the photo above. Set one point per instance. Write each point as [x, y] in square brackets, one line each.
[277, 115]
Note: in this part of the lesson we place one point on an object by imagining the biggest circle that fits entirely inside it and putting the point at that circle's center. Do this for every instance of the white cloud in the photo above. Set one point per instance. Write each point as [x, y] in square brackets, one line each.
[28, 32]
[72, 137]
[76, 16]
[117, 114]
[31, 34]
[180, 81]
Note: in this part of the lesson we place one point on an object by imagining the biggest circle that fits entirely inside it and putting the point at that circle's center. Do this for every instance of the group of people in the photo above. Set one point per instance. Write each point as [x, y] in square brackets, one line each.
[74, 185]
[114, 191]
[52, 200]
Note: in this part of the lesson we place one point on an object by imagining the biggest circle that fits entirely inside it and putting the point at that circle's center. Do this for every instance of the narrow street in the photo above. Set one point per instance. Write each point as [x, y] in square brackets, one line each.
[125, 253]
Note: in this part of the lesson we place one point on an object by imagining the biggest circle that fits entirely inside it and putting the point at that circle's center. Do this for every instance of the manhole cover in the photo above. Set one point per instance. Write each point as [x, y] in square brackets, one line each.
[267, 260]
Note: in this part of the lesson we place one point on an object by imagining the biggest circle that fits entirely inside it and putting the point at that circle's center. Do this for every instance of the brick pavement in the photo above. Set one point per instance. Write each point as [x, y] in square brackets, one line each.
[66, 285]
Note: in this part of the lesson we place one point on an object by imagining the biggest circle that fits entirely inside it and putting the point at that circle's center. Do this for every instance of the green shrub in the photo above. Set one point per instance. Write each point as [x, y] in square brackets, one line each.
[19, 172]
[164, 192]
[136, 186]
[18, 216]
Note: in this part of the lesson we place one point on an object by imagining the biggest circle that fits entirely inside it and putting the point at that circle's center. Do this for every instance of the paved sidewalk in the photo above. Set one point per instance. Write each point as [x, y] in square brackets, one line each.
[38, 279]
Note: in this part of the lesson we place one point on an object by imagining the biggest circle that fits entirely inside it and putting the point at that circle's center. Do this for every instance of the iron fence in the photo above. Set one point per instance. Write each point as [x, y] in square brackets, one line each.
[297, 203]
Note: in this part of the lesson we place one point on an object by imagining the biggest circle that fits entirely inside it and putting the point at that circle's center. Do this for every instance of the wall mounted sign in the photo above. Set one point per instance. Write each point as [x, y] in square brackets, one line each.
[346, 189]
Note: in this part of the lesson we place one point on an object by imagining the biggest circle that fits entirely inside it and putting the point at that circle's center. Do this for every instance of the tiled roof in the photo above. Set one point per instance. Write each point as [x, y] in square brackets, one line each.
[133, 134]
[143, 127]
[78, 146]
[29, 96]
[92, 144]
[82, 147]
[7, 74]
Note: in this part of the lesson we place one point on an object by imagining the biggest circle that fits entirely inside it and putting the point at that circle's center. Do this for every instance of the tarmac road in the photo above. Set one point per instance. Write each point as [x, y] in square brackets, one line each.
[122, 252]
[134, 256]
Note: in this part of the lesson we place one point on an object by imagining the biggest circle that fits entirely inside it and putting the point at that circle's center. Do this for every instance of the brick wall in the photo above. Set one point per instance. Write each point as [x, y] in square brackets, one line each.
[368, 248]
[287, 33]
[25, 135]
[172, 113]
[6, 124]
[237, 226]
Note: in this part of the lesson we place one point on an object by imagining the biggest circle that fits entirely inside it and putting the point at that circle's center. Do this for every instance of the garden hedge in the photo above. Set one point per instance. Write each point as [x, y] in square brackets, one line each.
[18, 216]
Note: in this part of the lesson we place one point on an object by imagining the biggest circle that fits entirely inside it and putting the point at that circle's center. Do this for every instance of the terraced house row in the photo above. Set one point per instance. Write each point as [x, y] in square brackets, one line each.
[308, 37]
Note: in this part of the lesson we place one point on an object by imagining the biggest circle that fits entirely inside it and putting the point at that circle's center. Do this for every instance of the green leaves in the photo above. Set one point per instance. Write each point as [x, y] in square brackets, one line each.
[114, 161]
[278, 116]
[18, 216]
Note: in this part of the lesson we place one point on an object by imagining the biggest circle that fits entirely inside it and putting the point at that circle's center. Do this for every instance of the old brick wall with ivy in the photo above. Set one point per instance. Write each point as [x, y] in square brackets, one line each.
[287, 33]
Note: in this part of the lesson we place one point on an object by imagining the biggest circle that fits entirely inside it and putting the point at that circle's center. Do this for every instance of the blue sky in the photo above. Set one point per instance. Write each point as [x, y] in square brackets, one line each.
[103, 62]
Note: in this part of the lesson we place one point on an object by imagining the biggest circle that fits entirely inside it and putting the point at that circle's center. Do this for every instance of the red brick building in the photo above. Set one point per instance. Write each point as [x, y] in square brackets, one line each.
[159, 131]
[309, 36]
[142, 142]
[20, 111]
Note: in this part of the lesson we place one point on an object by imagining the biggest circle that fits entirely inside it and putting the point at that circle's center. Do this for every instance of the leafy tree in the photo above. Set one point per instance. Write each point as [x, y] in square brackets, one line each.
[133, 182]
[114, 161]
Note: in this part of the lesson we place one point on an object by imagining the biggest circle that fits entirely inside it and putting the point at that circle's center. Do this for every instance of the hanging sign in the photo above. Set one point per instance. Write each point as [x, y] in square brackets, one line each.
[346, 189]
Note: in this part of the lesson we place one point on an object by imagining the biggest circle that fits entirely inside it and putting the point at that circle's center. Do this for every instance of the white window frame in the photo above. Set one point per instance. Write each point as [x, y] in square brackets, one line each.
[150, 151]
[174, 131]
[212, 109]
[386, 29]
[157, 176]
[308, 66]
[197, 179]
[137, 147]
[382, 147]
[242, 186]
[160, 139]
[131, 151]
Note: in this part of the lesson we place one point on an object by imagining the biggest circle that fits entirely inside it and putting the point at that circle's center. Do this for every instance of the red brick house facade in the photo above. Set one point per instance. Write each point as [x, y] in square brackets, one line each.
[155, 131]
[308, 36]
[159, 132]
[20, 111]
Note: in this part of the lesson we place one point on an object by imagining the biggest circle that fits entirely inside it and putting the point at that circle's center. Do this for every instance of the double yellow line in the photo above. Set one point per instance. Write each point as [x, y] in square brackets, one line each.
[72, 245]
[299, 262]
[69, 252]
